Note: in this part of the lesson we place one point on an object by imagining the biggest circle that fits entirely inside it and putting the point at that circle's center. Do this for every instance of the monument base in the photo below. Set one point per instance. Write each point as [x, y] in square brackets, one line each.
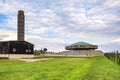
[16, 56]
[82, 53]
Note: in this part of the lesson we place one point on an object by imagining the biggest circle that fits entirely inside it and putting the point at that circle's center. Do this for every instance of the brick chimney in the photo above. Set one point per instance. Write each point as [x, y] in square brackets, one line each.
[20, 24]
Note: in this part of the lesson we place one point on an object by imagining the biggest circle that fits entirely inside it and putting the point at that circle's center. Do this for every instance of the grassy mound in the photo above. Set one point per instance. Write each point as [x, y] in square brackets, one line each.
[96, 68]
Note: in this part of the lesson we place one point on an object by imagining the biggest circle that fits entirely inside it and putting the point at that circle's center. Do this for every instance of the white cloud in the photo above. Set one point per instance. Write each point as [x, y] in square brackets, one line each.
[70, 21]
[51, 44]
[6, 35]
[116, 41]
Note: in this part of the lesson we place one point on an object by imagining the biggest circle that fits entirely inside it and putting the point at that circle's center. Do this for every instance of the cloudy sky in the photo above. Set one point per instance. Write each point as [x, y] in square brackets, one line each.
[58, 23]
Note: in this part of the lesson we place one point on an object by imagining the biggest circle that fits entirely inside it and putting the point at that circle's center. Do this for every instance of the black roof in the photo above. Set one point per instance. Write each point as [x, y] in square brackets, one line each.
[16, 41]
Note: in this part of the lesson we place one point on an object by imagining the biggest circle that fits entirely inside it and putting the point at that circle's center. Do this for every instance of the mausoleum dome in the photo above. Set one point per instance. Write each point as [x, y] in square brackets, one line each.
[81, 46]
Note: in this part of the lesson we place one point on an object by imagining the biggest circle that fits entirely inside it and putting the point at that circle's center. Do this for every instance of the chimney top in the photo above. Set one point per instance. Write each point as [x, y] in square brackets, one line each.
[21, 12]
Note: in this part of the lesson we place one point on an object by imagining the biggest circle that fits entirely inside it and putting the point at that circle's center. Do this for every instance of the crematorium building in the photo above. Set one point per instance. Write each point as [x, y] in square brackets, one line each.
[19, 46]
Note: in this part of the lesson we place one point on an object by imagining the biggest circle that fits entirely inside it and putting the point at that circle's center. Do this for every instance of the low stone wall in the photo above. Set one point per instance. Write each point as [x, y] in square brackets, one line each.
[83, 53]
[16, 56]
[78, 53]
[4, 55]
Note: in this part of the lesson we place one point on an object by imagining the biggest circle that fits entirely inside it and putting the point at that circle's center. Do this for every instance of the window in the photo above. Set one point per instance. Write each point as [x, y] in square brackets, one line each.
[26, 50]
[29, 50]
[14, 49]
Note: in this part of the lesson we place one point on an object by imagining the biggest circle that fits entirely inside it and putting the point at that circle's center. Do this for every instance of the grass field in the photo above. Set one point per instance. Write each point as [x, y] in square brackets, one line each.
[96, 68]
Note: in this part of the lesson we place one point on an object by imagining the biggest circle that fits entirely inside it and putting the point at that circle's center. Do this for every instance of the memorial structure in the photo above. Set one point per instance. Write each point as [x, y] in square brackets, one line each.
[81, 46]
[82, 49]
[19, 46]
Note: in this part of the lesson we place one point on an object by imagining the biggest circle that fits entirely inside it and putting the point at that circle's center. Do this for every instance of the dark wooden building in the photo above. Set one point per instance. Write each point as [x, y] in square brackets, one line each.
[16, 47]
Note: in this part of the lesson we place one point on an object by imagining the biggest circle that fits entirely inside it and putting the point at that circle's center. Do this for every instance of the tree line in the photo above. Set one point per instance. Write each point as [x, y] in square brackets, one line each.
[41, 51]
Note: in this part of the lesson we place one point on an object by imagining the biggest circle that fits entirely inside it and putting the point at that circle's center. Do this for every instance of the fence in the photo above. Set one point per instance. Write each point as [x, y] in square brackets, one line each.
[114, 56]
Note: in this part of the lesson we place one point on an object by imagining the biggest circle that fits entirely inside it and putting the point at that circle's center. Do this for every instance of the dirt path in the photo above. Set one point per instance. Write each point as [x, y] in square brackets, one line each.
[35, 60]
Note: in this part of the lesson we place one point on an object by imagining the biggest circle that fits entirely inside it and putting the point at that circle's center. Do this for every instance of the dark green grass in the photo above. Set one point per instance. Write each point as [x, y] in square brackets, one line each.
[96, 68]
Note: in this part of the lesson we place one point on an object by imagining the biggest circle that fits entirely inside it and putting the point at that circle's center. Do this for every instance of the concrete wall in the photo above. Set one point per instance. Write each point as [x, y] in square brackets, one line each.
[78, 53]
[83, 53]
[17, 56]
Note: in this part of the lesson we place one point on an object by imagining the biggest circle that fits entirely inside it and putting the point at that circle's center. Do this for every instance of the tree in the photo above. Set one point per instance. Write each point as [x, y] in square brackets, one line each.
[45, 49]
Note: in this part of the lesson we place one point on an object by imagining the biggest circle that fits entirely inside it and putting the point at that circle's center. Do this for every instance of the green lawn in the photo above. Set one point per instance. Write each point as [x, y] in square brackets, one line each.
[96, 68]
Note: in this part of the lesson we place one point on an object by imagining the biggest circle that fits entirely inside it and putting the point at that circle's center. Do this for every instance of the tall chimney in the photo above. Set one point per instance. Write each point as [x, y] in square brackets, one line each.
[21, 24]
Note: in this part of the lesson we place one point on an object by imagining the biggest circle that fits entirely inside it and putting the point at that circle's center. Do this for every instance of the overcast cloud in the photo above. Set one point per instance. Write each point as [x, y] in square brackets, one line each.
[57, 23]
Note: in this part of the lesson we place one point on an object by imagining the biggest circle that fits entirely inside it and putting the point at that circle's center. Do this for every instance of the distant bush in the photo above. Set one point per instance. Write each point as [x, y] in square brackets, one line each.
[40, 52]
[114, 56]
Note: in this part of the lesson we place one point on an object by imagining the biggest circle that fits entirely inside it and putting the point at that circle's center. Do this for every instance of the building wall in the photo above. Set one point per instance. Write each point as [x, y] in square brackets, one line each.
[16, 47]
[20, 48]
[4, 47]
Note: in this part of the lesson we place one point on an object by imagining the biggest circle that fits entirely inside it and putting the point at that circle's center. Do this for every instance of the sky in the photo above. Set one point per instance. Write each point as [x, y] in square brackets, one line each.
[54, 24]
